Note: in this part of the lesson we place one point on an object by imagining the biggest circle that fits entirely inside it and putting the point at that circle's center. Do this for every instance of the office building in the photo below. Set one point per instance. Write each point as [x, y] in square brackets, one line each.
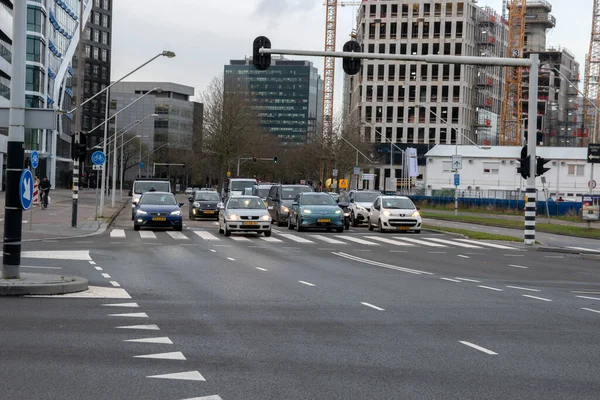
[287, 97]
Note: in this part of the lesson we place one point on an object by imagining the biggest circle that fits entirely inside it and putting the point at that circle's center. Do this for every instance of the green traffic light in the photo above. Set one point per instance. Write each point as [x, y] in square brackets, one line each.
[275, 160]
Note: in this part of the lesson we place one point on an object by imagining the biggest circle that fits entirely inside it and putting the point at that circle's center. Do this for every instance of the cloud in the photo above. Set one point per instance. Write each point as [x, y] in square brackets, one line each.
[277, 8]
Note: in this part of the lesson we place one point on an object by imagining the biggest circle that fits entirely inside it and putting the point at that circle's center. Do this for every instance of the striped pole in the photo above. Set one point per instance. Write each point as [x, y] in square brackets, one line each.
[530, 210]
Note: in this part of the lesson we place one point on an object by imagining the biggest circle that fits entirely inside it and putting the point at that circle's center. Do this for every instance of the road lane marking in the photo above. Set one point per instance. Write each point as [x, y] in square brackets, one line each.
[490, 288]
[74, 255]
[206, 235]
[147, 235]
[474, 346]
[213, 397]
[468, 280]
[176, 355]
[417, 241]
[389, 241]
[585, 291]
[117, 233]
[591, 309]
[32, 266]
[115, 283]
[398, 251]
[231, 258]
[456, 243]
[372, 306]
[378, 264]
[327, 239]
[357, 240]
[325, 249]
[463, 256]
[239, 238]
[178, 235]
[271, 239]
[222, 245]
[92, 262]
[494, 245]
[262, 269]
[132, 305]
[276, 230]
[437, 252]
[155, 340]
[554, 256]
[523, 288]
[104, 274]
[514, 255]
[295, 238]
[150, 327]
[306, 283]
[213, 251]
[536, 298]
[451, 280]
[98, 268]
[130, 315]
[589, 298]
[183, 376]
[517, 266]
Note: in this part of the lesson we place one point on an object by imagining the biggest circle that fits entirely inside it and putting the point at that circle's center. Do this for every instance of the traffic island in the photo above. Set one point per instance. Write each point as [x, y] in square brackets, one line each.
[42, 284]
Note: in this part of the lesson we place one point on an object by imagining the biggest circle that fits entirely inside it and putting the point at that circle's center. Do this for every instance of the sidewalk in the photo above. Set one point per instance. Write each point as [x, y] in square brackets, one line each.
[55, 221]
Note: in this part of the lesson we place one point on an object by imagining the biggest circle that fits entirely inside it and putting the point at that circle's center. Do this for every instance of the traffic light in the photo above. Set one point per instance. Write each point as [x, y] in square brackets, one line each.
[539, 166]
[254, 158]
[82, 149]
[351, 65]
[275, 159]
[261, 61]
[74, 152]
[523, 169]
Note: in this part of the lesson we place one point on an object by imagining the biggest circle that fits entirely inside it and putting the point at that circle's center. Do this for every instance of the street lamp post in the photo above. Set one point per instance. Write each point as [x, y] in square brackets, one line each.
[392, 145]
[152, 152]
[357, 152]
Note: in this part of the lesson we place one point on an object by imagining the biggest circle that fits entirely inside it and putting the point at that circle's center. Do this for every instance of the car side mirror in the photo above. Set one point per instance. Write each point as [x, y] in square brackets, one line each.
[130, 193]
[181, 204]
[220, 206]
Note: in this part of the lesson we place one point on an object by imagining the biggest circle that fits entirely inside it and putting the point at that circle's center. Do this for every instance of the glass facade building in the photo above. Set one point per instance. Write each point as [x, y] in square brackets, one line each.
[287, 96]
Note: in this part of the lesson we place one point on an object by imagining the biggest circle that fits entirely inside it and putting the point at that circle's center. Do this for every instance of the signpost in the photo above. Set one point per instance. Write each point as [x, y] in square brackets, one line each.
[335, 173]
[343, 183]
[98, 159]
[26, 189]
[456, 180]
[34, 160]
[593, 157]
[456, 161]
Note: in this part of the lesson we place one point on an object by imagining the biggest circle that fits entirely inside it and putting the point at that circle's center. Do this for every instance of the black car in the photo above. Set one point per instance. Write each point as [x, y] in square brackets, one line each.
[280, 200]
[203, 204]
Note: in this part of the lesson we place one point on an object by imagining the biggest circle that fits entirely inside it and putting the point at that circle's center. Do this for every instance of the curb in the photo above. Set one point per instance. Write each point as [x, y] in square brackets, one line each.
[42, 285]
[593, 254]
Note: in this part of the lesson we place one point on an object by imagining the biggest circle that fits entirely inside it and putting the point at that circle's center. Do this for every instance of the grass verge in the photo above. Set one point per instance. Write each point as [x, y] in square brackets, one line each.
[478, 235]
[513, 224]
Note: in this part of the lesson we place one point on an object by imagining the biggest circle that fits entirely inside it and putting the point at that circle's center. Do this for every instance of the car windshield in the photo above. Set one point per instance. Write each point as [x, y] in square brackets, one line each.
[290, 193]
[239, 186]
[263, 192]
[317, 200]
[366, 197]
[397, 203]
[249, 203]
[158, 199]
[207, 196]
[143, 187]
[334, 195]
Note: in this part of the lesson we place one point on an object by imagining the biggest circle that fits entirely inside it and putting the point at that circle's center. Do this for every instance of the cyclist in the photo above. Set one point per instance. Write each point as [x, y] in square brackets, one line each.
[45, 191]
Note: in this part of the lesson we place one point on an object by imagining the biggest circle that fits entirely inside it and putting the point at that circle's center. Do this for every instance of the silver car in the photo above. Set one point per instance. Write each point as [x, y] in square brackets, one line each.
[244, 214]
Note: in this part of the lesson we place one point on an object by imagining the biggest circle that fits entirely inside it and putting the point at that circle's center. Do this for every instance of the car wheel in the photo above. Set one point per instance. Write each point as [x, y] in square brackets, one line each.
[418, 231]
[290, 226]
[369, 223]
[298, 227]
[268, 233]
[353, 220]
[339, 230]
[346, 224]
[380, 227]
[227, 231]
[190, 217]
[179, 228]
[136, 227]
[279, 223]
[132, 216]
[220, 229]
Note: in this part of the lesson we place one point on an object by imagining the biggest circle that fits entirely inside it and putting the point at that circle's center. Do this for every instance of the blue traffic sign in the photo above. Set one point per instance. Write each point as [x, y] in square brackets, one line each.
[26, 189]
[35, 159]
[141, 165]
[456, 179]
[98, 158]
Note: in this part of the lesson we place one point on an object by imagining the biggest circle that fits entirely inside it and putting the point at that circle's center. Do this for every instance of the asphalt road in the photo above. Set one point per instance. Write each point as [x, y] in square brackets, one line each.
[361, 315]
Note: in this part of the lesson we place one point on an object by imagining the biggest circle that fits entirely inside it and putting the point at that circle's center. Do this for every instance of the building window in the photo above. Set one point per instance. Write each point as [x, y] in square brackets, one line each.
[104, 73]
[97, 3]
[88, 51]
[104, 37]
[87, 34]
[96, 70]
[576, 170]
[106, 4]
[36, 20]
[96, 36]
[35, 50]
[96, 18]
[34, 78]
[96, 53]
[105, 21]
[491, 168]
[104, 54]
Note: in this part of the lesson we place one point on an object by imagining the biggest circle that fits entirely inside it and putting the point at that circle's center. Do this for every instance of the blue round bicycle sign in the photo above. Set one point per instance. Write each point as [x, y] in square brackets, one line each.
[35, 159]
[98, 158]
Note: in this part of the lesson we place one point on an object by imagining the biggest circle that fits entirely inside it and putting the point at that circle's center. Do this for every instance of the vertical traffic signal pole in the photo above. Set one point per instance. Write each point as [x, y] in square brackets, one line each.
[15, 154]
[80, 65]
[530, 204]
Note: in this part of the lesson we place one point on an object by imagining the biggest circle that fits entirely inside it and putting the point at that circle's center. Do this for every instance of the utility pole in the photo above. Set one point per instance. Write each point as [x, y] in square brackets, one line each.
[77, 137]
[530, 204]
[15, 154]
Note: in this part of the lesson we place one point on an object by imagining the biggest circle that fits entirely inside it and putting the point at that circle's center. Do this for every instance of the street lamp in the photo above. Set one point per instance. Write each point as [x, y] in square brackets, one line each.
[392, 145]
[455, 152]
[357, 152]
[154, 151]
[140, 160]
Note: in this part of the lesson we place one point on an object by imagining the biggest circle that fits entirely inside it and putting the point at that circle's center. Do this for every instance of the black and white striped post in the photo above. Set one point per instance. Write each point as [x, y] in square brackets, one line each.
[531, 201]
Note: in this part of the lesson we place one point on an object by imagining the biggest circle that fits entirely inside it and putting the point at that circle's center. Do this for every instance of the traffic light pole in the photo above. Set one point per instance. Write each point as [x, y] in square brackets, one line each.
[531, 193]
[77, 137]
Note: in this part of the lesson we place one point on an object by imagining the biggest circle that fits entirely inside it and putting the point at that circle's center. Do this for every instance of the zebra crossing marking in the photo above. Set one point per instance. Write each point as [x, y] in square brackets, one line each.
[117, 233]
[419, 241]
[178, 235]
[239, 238]
[147, 235]
[295, 238]
[327, 239]
[459, 244]
[357, 240]
[206, 235]
[494, 245]
[389, 241]
[271, 239]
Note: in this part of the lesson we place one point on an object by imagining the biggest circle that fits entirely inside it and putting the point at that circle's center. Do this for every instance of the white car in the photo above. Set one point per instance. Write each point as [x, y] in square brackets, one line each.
[244, 214]
[189, 191]
[360, 205]
[394, 213]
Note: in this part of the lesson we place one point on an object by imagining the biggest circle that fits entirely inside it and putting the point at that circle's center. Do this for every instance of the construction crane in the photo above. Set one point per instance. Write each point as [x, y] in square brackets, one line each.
[591, 118]
[511, 122]
[329, 67]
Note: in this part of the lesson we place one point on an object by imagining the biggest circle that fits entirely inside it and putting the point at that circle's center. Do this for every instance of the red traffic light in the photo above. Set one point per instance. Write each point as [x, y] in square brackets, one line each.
[254, 158]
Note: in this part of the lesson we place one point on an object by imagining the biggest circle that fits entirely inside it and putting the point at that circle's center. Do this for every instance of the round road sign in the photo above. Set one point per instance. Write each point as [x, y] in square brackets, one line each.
[592, 184]
[98, 158]
[35, 159]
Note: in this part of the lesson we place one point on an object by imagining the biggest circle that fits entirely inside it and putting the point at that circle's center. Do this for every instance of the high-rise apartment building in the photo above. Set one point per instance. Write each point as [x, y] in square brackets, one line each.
[459, 100]
[287, 96]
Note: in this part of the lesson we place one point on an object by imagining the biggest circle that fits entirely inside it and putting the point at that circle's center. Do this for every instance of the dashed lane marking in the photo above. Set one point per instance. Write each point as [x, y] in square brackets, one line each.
[92, 262]
[150, 327]
[98, 268]
[262, 269]
[131, 305]
[231, 258]
[468, 280]
[115, 283]
[535, 297]
[490, 288]
[589, 298]
[518, 266]
[130, 315]
[117, 233]
[213, 251]
[306, 283]
[379, 264]
[156, 340]
[372, 306]
[176, 355]
[206, 235]
[523, 288]
[184, 376]
[147, 235]
[463, 256]
[213, 397]
[592, 310]
[105, 275]
[451, 280]
[476, 347]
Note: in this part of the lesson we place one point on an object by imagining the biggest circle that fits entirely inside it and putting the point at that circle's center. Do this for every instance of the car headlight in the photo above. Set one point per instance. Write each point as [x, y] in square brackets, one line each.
[346, 214]
[176, 213]
[338, 211]
[233, 217]
[306, 212]
[387, 213]
[415, 214]
[141, 212]
[196, 204]
[266, 217]
[285, 209]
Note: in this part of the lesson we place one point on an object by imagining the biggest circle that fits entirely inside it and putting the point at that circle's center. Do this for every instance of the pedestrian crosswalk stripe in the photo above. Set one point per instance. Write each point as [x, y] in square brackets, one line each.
[178, 235]
[389, 241]
[206, 235]
[240, 238]
[271, 239]
[357, 240]
[117, 233]
[417, 241]
[294, 238]
[75, 255]
[215, 223]
[147, 235]
[494, 245]
[328, 239]
[459, 244]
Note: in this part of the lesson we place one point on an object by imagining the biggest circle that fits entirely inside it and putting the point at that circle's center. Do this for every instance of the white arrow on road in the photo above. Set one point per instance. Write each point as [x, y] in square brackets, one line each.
[27, 189]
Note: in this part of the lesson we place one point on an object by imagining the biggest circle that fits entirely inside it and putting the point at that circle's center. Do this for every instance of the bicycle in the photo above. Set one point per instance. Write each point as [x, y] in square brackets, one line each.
[44, 202]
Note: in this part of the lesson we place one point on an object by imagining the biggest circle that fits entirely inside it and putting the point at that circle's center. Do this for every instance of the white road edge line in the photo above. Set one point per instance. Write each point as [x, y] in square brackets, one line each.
[378, 264]
[591, 309]
[534, 297]
[588, 297]
[523, 288]
[462, 256]
[306, 283]
[451, 280]
[467, 280]
[490, 288]
[372, 306]
[474, 346]
[517, 266]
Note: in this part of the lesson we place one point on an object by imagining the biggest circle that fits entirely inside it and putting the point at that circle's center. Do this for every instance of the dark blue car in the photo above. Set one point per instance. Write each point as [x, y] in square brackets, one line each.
[159, 209]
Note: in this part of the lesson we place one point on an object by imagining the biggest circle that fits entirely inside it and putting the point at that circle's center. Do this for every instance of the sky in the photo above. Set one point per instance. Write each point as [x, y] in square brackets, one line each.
[206, 34]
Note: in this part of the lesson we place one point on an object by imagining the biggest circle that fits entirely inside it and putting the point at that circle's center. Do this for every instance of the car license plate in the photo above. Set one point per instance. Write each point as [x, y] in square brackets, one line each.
[159, 219]
[208, 212]
[250, 223]
[324, 220]
[403, 228]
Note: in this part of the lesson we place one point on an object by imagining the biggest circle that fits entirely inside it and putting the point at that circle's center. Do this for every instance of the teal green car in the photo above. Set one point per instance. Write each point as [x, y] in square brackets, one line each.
[315, 210]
